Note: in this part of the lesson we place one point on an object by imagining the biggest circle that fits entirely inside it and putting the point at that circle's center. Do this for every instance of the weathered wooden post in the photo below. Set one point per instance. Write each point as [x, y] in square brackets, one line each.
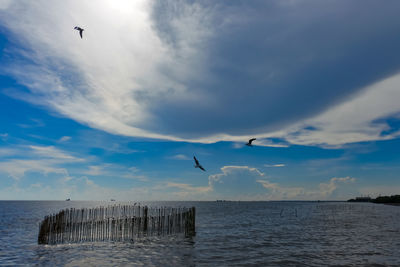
[146, 219]
[194, 221]
[115, 223]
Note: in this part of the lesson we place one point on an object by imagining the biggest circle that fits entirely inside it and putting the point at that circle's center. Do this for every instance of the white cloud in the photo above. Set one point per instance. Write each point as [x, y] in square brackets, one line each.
[229, 170]
[278, 192]
[235, 182]
[17, 168]
[246, 183]
[179, 70]
[187, 191]
[354, 120]
[5, 4]
[265, 142]
[84, 188]
[326, 189]
[64, 139]
[180, 157]
[274, 165]
[94, 170]
[52, 152]
[119, 58]
[4, 152]
[115, 170]
[33, 124]
[44, 159]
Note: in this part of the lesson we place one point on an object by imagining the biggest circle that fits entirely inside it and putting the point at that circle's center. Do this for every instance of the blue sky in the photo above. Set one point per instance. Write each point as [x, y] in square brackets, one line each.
[121, 113]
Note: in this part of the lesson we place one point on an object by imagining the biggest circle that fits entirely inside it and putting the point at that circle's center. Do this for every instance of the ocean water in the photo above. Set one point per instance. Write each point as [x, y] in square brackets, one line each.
[227, 234]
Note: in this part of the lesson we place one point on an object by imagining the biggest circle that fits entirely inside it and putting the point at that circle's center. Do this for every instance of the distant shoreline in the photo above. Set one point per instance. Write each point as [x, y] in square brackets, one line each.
[393, 200]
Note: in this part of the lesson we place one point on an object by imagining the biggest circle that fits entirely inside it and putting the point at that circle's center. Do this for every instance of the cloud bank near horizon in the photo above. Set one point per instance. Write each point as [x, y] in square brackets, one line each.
[306, 72]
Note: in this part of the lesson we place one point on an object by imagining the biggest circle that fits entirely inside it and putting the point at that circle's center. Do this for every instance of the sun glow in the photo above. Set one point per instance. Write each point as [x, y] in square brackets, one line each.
[126, 7]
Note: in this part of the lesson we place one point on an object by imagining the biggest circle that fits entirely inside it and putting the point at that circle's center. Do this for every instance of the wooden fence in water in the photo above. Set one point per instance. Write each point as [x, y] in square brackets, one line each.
[115, 223]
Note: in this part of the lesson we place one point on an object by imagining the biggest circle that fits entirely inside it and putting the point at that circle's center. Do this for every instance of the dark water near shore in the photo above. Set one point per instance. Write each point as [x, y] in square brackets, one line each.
[228, 234]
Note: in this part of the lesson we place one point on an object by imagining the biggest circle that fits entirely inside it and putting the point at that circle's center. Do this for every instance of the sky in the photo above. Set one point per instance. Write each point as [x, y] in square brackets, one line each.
[121, 112]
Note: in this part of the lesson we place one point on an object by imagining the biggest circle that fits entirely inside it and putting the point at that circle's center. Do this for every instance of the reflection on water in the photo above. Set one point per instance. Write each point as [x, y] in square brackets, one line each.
[228, 234]
[143, 252]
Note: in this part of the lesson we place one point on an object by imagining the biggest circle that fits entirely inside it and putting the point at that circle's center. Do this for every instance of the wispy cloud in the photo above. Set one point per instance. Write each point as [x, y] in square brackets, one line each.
[180, 157]
[325, 190]
[115, 171]
[4, 152]
[361, 118]
[17, 168]
[265, 142]
[164, 86]
[52, 152]
[64, 139]
[4, 136]
[229, 170]
[274, 165]
[44, 159]
[34, 123]
[80, 188]
[94, 170]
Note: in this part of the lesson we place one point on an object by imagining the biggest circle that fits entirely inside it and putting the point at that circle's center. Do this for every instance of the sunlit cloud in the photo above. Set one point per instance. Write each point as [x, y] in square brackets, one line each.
[189, 188]
[206, 72]
[52, 152]
[180, 157]
[247, 183]
[274, 165]
[361, 118]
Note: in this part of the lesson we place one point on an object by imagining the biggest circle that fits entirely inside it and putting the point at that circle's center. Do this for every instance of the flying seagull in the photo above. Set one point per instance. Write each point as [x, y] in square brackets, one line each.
[198, 164]
[250, 141]
[80, 30]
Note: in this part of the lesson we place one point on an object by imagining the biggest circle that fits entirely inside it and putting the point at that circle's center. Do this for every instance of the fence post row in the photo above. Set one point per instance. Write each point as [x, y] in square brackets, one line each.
[115, 223]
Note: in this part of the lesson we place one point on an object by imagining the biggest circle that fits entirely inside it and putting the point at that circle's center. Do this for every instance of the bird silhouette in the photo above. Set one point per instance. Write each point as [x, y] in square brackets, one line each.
[198, 164]
[80, 30]
[250, 141]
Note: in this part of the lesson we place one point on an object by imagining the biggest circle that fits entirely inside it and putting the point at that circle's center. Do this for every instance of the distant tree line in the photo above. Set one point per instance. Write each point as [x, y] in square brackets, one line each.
[387, 199]
[379, 200]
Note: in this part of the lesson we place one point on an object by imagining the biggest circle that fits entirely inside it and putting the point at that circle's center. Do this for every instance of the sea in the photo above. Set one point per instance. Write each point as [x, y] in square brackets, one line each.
[228, 233]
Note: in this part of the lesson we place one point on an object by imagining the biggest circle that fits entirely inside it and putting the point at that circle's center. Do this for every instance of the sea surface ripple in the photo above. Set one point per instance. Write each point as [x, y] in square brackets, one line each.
[227, 234]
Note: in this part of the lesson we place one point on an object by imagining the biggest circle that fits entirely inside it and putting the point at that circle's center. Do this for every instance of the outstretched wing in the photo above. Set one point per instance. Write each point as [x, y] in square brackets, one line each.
[80, 32]
[201, 168]
[251, 140]
[195, 160]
